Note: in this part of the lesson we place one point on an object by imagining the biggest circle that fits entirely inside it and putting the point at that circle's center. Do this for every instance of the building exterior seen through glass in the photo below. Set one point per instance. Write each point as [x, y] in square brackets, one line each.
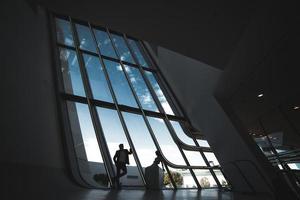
[114, 95]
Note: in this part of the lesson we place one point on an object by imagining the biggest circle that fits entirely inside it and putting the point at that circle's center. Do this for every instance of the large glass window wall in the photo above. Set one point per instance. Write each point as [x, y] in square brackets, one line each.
[114, 95]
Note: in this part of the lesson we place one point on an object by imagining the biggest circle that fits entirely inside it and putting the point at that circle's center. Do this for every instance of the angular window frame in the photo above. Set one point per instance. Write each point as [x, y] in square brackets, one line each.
[178, 116]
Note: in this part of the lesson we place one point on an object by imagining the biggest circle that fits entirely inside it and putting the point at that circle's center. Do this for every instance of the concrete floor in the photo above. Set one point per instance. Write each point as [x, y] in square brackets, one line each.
[205, 194]
[43, 183]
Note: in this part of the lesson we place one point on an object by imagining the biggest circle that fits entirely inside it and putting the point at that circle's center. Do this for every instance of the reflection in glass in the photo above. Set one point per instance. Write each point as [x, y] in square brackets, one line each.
[104, 43]
[119, 83]
[182, 178]
[203, 143]
[71, 72]
[85, 38]
[194, 158]
[141, 88]
[205, 179]
[159, 93]
[181, 134]
[88, 154]
[165, 141]
[221, 178]
[122, 48]
[97, 79]
[213, 161]
[137, 50]
[115, 135]
[64, 32]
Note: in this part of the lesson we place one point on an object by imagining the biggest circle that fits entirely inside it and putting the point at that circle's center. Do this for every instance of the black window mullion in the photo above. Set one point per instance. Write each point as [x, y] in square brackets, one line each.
[74, 165]
[173, 135]
[166, 117]
[169, 126]
[162, 111]
[165, 88]
[162, 81]
[118, 109]
[207, 163]
[93, 112]
[143, 114]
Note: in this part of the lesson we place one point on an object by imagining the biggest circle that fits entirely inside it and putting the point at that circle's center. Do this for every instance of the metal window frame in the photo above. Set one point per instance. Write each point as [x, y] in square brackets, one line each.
[92, 103]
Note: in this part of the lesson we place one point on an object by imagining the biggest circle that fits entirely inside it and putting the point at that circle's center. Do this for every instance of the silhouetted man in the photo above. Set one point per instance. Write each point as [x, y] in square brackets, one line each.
[121, 158]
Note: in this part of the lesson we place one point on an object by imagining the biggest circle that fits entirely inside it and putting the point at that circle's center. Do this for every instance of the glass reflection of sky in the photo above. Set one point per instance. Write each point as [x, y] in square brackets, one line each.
[141, 138]
[166, 142]
[119, 83]
[104, 43]
[88, 133]
[85, 38]
[141, 89]
[159, 93]
[122, 48]
[71, 72]
[96, 78]
[63, 32]
[137, 52]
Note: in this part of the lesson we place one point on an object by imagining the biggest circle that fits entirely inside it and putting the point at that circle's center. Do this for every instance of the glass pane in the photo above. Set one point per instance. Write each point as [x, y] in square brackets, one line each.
[71, 72]
[119, 83]
[86, 145]
[88, 133]
[122, 48]
[205, 179]
[145, 148]
[141, 89]
[104, 43]
[85, 38]
[137, 50]
[141, 138]
[97, 78]
[182, 178]
[203, 143]
[115, 135]
[221, 178]
[181, 134]
[159, 93]
[165, 141]
[194, 158]
[213, 161]
[64, 32]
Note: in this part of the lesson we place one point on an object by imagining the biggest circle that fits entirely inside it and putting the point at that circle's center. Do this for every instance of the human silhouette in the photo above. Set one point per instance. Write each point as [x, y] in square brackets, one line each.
[158, 159]
[121, 158]
[153, 174]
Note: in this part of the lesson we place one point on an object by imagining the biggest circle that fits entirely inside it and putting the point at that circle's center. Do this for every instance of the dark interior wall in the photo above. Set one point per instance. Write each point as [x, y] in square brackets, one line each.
[194, 84]
[265, 62]
[30, 130]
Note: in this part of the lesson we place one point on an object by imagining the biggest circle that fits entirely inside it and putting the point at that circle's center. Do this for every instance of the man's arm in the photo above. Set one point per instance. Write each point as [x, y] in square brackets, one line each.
[130, 151]
[115, 157]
